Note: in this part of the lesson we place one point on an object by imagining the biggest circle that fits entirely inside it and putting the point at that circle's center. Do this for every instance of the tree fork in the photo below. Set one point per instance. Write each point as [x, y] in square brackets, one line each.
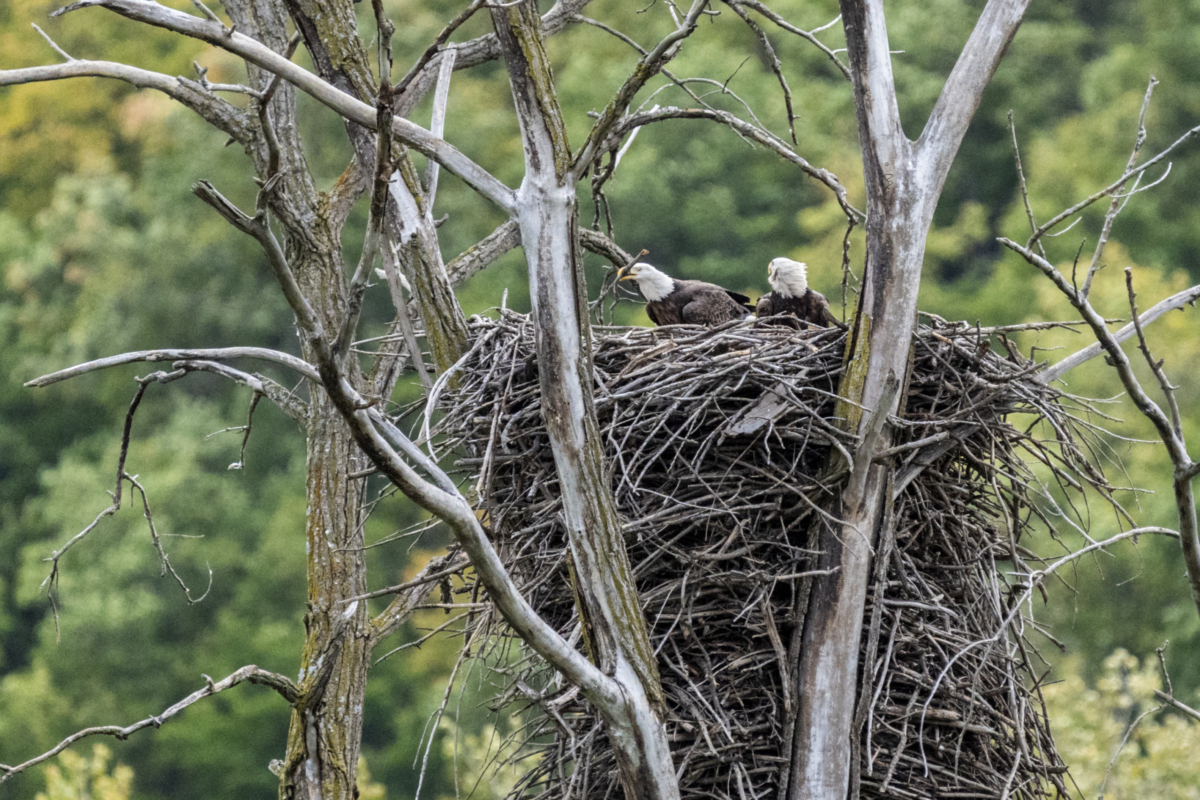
[903, 181]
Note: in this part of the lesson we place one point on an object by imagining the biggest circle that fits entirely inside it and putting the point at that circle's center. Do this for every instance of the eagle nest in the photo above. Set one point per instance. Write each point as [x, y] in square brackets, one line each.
[718, 442]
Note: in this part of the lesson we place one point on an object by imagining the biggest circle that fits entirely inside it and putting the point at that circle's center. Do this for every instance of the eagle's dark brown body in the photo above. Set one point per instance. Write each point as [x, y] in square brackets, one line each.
[698, 303]
[810, 309]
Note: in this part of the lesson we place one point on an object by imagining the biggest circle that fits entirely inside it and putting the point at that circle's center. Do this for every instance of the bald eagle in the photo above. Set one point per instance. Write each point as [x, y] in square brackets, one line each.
[672, 302]
[791, 297]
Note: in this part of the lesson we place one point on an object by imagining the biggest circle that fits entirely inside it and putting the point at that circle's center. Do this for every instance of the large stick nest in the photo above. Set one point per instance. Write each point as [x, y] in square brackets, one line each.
[720, 444]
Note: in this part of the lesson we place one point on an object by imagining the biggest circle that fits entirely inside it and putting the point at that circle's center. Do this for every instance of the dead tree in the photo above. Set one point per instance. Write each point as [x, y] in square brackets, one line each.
[344, 417]
[1169, 423]
[904, 181]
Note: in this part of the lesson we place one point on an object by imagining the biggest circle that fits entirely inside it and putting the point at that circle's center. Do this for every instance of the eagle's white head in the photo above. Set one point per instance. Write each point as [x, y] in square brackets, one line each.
[654, 285]
[787, 277]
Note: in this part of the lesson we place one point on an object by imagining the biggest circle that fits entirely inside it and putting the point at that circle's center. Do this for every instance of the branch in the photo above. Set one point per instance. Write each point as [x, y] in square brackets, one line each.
[436, 48]
[262, 386]
[1171, 434]
[482, 254]
[479, 51]
[397, 283]
[960, 96]
[1116, 206]
[1110, 189]
[681, 83]
[251, 673]
[349, 107]
[256, 227]
[164, 561]
[122, 476]
[1036, 579]
[606, 593]
[445, 325]
[1120, 361]
[212, 354]
[368, 426]
[435, 570]
[880, 132]
[1179, 300]
[647, 67]
[373, 238]
[601, 245]
[1155, 365]
[809, 36]
[411, 594]
[221, 114]
[437, 122]
[1171, 701]
[749, 131]
[773, 61]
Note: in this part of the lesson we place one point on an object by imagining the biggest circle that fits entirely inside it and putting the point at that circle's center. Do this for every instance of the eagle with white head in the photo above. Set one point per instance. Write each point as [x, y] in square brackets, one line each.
[792, 298]
[685, 302]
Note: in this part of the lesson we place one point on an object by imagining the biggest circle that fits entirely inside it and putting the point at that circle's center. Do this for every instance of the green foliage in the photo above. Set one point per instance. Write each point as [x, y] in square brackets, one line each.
[77, 777]
[1091, 725]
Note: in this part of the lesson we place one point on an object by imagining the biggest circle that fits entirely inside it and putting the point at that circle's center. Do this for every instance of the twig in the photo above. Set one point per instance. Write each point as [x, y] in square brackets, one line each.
[1155, 365]
[54, 46]
[1178, 706]
[164, 561]
[1125, 740]
[436, 47]
[809, 36]
[1116, 205]
[1012, 129]
[1110, 189]
[282, 685]
[421, 580]
[774, 62]
[1053, 372]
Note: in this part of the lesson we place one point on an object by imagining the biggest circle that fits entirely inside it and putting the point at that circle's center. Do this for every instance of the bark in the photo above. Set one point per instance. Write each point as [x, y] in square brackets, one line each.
[326, 726]
[325, 732]
[413, 227]
[331, 35]
[604, 586]
[903, 180]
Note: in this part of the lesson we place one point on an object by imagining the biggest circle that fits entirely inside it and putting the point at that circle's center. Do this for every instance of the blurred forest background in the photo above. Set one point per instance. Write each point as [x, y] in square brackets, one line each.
[103, 250]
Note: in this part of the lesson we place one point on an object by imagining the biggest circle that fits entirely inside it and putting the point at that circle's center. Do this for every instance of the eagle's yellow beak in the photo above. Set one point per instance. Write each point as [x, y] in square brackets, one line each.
[623, 274]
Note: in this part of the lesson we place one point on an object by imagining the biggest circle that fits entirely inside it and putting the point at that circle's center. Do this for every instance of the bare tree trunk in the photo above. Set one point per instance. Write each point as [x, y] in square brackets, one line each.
[904, 180]
[326, 727]
[325, 732]
[604, 585]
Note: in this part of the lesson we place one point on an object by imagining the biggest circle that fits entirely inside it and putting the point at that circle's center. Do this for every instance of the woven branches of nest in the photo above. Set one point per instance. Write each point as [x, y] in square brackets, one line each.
[719, 442]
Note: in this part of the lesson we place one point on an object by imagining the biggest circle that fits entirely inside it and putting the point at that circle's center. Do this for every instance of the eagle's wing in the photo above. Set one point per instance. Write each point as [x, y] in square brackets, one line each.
[742, 300]
[819, 313]
[709, 304]
[662, 313]
[780, 311]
